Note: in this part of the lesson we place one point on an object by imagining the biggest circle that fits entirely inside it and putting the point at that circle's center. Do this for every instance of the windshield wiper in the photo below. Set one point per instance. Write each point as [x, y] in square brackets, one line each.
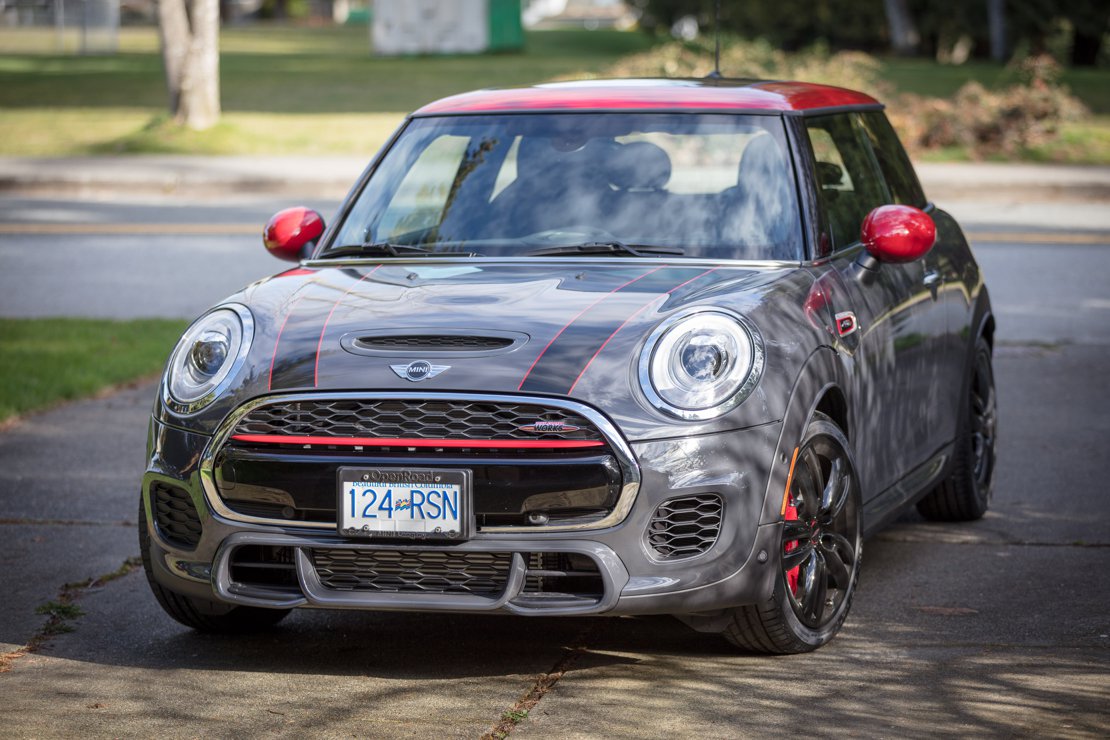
[390, 249]
[610, 247]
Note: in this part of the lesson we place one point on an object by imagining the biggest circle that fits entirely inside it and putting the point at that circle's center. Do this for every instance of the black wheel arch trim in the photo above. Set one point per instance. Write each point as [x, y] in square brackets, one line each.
[984, 325]
[822, 372]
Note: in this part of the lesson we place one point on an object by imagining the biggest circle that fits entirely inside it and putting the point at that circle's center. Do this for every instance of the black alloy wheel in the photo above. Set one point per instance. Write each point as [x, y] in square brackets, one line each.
[821, 533]
[984, 423]
[821, 547]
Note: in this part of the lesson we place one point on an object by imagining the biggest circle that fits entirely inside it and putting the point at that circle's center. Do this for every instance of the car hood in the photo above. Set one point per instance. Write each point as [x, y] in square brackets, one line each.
[575, 329]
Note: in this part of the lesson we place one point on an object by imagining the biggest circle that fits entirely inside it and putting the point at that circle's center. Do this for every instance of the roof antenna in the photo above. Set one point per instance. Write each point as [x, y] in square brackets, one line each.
[716, 73]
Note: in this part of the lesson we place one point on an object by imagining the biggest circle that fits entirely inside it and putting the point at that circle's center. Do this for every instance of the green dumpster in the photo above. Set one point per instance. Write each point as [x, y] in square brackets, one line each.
[506, 33]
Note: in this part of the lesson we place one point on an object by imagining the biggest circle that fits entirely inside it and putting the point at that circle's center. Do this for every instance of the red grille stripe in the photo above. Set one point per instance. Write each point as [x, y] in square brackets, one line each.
[284, 439]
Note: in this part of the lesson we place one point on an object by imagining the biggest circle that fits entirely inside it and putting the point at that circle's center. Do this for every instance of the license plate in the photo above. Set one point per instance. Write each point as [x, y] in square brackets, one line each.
[415, 503]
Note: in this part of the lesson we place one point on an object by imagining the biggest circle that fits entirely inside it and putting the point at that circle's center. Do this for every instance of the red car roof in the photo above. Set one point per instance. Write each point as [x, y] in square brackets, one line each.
[704, 94]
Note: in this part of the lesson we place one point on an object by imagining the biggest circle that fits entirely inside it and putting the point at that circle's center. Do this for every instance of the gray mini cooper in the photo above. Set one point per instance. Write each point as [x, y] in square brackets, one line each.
[600, 348]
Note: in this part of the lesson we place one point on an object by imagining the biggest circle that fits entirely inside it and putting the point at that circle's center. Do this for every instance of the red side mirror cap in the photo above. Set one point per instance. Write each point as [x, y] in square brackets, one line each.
[290, 230]
[898, 233]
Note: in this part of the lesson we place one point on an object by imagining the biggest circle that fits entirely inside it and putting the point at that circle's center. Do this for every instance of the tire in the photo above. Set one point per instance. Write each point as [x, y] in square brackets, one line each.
[203, 615]
[965, 495]
[819, 559]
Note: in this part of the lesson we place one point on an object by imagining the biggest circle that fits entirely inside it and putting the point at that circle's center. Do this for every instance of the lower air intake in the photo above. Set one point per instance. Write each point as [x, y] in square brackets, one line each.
[685, 527]
[175, 515]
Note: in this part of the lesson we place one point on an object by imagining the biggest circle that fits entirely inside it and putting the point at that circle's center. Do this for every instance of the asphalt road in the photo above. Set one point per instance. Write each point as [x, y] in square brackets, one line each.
[158, 257]
[995, 628]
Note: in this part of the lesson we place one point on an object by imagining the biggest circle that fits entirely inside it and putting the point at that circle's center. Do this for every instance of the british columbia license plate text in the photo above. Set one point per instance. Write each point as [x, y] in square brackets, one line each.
[402, 503]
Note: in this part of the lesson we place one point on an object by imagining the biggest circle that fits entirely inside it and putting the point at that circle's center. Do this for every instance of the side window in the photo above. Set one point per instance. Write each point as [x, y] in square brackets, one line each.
[848, 179]
[419, 201]
[507, 174]
[893, 161]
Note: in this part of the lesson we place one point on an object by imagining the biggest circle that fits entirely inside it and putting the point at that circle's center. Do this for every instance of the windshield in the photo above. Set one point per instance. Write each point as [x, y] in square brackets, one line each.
[707, 186]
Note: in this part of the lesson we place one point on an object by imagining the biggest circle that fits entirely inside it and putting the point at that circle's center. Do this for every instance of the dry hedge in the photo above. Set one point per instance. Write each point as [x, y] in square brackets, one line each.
[983, 122]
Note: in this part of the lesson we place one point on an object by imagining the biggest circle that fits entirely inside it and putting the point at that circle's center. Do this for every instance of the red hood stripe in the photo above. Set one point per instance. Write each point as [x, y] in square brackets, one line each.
[584, 337]
[626, 322]
[324, 328]
[579, 315]
[277, 341]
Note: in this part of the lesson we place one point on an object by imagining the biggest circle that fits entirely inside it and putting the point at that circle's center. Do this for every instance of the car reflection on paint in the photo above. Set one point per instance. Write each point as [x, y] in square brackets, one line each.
[649, 346]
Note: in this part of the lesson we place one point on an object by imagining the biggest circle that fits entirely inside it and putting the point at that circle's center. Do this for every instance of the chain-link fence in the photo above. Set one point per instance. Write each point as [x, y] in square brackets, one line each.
[60, 26]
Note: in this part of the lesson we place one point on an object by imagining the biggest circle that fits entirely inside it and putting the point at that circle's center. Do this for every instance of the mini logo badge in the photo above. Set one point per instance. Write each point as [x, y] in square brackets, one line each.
[549, 427]
[418, 370]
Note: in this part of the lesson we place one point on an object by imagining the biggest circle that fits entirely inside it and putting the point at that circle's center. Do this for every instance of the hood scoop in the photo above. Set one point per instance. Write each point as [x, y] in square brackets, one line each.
[432, 342]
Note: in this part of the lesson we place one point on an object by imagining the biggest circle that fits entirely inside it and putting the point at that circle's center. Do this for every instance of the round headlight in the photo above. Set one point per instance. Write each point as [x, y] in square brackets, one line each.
[207, 356]
[701, 364]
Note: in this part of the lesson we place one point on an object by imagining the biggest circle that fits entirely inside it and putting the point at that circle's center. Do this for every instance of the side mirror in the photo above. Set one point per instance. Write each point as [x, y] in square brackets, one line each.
[898, 233]
[290, 231]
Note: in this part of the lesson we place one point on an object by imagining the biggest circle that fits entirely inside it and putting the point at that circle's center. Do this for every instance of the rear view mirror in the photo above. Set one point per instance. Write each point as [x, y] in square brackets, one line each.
[829, 174]
[898, 233]
[290, 231]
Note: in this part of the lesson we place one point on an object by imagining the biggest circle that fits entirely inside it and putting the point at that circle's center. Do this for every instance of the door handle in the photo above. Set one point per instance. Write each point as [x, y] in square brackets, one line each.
[932, 282]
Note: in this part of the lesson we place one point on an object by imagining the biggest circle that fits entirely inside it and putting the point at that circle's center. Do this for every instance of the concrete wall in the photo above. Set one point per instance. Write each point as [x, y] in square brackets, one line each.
[430, 26]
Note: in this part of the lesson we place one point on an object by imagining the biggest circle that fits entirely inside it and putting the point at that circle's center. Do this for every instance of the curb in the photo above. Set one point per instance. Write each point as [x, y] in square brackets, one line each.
[332, 177]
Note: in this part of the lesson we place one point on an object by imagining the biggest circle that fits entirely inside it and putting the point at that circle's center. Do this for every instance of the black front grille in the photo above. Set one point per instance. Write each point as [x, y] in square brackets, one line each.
[387, 418]
[686, 526]
[453, 572]
[412, 571]
[433, 342]
[175, 515]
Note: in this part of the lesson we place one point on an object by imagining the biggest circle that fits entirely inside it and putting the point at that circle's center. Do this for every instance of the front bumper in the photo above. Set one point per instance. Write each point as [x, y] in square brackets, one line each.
[627, 574]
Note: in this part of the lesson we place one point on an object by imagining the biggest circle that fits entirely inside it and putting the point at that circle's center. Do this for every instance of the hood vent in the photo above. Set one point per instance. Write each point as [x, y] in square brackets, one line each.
[423, 343]
[431, 343]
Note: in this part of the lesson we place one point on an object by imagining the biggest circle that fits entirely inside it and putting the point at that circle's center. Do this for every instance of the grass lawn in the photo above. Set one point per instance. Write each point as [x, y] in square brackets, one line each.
[44, 361]
[309, 90]
[276, 82]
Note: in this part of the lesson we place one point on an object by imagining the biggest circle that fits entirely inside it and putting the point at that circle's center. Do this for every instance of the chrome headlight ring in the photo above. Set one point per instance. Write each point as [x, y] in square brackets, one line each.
[207, 358]
[701, 363]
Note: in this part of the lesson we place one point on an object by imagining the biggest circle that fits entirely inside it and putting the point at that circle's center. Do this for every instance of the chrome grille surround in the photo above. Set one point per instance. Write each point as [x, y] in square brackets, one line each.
[630, 471]
[686, 526]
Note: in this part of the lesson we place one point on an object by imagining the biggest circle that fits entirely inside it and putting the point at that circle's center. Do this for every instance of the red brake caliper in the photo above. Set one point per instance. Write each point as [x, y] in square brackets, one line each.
[791, 515]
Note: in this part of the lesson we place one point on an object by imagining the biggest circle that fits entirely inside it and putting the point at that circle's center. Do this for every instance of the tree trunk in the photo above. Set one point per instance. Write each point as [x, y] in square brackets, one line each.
[1085, 48]
[190, 33]
[904, 38]
[996, 22]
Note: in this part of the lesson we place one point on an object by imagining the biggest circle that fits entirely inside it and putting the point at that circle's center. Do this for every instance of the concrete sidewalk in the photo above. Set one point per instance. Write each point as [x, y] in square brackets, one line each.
[990, 197]
[180, 175]
[331, 176]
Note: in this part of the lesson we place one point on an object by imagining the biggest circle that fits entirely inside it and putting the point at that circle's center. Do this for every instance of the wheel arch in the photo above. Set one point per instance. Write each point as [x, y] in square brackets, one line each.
[819, 386]
[833, 405]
